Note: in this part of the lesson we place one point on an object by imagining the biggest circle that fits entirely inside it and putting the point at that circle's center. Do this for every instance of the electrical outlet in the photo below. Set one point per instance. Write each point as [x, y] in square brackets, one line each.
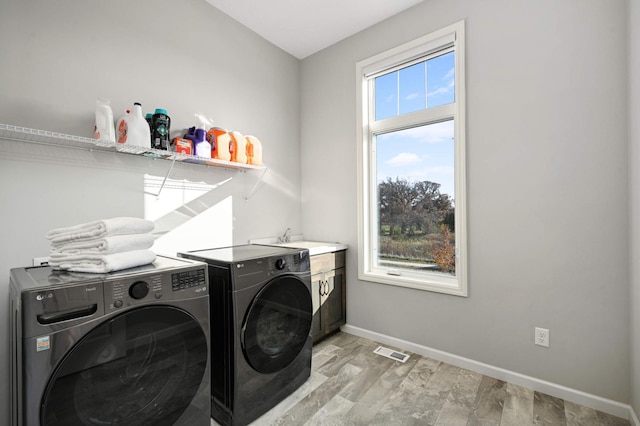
[542, 337]
[40, 261]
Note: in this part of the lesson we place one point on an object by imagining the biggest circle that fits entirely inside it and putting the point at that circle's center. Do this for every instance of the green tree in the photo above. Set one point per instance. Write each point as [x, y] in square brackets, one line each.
[408, 206]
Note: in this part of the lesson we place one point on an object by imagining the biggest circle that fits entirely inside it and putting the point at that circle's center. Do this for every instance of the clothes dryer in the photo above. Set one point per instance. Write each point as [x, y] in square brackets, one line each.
[124, 348]
[261, 313]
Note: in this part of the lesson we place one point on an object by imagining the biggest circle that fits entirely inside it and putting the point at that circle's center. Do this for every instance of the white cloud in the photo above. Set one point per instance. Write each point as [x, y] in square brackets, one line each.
[404, 159]
[450, 83]
[434, 133]
[438, 91]
[444, 175]
[449, 76]
[411, 97]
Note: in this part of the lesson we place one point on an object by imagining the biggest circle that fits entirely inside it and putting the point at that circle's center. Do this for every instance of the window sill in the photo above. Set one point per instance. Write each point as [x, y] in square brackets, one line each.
[434, 283]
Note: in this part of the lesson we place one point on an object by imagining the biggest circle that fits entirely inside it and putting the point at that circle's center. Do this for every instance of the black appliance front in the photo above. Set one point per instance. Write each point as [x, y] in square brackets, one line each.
[261, 313]
[128, 349]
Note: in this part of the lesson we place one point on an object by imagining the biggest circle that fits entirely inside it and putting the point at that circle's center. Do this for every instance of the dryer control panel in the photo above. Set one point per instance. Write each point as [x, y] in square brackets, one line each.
[155, 287]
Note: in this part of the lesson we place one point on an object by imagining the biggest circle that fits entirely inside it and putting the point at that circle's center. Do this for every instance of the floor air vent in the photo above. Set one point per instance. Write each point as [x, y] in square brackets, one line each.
[390, 353]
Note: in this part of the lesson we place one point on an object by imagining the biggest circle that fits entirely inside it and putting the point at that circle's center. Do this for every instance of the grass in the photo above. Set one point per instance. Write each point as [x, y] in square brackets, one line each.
[415, 249]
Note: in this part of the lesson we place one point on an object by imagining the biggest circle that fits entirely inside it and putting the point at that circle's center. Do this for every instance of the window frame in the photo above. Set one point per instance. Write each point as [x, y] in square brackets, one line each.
[451, 38]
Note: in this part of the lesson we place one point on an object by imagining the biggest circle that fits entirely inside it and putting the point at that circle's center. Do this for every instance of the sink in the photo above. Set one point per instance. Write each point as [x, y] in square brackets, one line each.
[315, 247]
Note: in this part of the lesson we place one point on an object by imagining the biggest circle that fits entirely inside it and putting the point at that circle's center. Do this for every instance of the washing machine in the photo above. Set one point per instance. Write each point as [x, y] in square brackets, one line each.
[261, 315]
[124, 348]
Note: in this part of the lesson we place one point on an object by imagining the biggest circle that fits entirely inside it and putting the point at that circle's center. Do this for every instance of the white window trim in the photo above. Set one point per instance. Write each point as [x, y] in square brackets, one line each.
[452, 35]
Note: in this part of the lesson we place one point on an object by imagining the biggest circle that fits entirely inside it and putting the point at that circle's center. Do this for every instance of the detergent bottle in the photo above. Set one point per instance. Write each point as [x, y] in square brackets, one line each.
[220, 143]
[201, 145]
[133, 129]
[121, 128]
[103, 128]
[254, 151]
[238, 148]
[160, 129]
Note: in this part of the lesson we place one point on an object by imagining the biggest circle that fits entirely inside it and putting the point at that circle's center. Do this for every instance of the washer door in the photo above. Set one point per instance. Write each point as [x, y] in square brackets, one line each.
[143, 367]
[277, 324]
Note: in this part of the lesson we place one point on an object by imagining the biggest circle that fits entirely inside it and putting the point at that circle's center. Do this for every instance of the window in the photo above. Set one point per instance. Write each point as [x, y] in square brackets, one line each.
[411, 158]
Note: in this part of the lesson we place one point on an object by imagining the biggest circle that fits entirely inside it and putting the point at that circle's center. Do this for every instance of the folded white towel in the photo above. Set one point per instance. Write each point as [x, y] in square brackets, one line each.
[103, 263]
[100, 228]
[103, 245]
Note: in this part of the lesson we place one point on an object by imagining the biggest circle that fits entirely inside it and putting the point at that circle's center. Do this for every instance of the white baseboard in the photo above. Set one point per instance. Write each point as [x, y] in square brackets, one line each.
[593, 401]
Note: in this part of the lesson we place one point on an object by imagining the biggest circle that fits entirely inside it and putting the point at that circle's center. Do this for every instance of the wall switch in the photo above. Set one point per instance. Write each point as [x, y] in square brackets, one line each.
[40, 261]
[542, 337]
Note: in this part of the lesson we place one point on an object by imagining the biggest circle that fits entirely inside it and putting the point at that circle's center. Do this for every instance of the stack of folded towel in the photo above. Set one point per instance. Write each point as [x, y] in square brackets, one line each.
[102, 246]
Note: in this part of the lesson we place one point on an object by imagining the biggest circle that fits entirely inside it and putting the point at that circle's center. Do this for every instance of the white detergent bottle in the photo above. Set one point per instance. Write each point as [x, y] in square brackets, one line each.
[133, 129]
[121, 129]
[103, 128]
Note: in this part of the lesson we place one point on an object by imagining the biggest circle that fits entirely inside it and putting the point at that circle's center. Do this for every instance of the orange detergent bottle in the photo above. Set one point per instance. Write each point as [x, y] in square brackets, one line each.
[220, 140]
[254, 151]
[239, 148]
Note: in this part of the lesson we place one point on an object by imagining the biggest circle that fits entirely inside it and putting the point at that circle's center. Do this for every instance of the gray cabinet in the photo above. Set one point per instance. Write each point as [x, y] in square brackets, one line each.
[328, 291]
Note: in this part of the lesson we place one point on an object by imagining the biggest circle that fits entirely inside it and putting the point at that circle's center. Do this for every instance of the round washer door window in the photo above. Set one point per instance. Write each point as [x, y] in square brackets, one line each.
[143, 367]
[277, 324]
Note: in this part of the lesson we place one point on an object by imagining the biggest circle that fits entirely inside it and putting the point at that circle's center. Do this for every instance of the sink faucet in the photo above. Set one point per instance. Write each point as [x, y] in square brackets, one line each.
[285, 238]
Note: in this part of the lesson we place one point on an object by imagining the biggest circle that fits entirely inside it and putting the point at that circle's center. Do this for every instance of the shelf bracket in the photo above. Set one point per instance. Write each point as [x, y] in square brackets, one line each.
[255, 186]
[173, 162]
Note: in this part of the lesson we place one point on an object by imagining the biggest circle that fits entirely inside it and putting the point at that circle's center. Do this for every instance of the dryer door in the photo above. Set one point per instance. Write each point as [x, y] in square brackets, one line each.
[142, 367]
[277, 324]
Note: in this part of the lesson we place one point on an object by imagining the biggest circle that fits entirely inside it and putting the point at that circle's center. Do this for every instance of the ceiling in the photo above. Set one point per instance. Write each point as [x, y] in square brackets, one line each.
[303, 27]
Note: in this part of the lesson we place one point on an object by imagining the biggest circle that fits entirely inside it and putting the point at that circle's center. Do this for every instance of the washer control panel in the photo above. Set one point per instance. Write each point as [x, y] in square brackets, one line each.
[264, 268]
[292, 262]
[187, 279]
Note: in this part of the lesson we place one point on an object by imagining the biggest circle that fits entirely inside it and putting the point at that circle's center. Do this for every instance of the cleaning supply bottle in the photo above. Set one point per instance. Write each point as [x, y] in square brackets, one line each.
[221, 141]
[133, 130]
[202, 146]
[147, 117]
[182, 146]
[191, 134]
[160, 127]
[239, 148]
[254, 151]
[121, 128]
[103, 128]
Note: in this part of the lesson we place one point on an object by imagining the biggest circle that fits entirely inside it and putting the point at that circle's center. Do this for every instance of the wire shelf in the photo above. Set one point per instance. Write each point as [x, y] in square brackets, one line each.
[45, 137]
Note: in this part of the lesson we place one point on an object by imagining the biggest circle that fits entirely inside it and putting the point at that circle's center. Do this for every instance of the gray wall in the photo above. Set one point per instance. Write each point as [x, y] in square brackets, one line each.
[187, 57]
[547, 161]
[634, 196]
[547, 187]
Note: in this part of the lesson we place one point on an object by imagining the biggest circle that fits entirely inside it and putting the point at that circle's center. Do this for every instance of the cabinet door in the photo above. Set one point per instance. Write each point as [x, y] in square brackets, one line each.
[334, 306]
[316, 321]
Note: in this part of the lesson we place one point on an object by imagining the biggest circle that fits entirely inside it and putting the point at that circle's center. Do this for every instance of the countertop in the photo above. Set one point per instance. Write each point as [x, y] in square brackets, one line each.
[298, 241]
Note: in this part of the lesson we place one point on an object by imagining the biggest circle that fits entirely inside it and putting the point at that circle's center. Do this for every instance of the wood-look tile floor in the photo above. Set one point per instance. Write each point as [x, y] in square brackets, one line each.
[350, 385]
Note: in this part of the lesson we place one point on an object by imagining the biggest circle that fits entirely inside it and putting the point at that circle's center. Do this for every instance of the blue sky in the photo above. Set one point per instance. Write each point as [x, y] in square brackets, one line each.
[420, 153]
